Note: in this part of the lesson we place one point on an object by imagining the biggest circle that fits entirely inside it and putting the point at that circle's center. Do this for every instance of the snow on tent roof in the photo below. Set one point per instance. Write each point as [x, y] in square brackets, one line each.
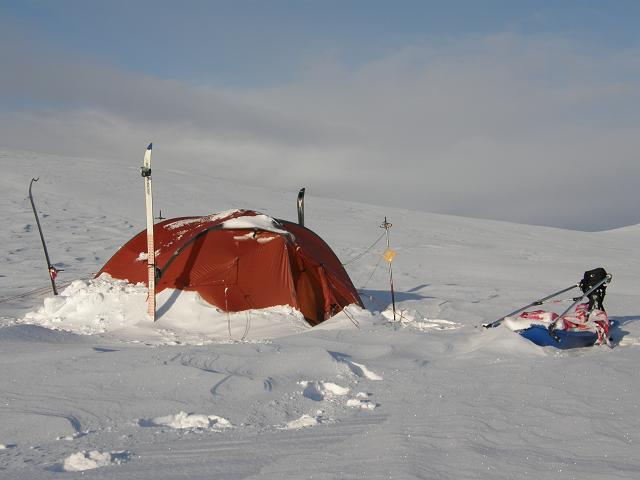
[258, 222]
[181, 222]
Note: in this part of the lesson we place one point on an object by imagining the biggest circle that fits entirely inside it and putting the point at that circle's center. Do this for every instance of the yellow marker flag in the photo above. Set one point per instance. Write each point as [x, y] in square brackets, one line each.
[389, 255]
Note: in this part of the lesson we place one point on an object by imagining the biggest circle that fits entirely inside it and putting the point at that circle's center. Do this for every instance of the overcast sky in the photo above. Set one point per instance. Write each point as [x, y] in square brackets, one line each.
[519, 111]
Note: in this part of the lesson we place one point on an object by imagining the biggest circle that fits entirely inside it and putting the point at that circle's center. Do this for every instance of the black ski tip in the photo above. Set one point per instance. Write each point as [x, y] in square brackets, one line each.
[150, 146]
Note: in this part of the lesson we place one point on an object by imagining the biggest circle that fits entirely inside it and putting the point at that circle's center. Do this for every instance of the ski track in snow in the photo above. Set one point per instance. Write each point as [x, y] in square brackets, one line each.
[89, 387]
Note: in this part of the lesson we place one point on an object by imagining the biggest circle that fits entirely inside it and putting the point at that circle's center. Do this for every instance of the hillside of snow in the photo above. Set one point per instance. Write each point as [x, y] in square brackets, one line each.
[88, 385]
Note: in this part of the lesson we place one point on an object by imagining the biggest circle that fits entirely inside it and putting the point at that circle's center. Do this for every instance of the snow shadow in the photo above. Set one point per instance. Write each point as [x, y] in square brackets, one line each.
[418, 288]
[147, 423]
[340, 357]
[381, 299]
[616, 332]
[164, 308]
[28, 333]
[104, 350]
[184, 278]
[624, 320]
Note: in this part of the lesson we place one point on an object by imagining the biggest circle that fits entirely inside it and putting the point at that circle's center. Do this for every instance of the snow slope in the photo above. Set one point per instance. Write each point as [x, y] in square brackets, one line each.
[87, 385]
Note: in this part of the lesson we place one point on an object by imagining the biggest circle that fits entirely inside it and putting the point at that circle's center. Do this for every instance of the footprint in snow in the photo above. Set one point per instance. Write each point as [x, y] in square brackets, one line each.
[362, 402]
[187, 421]
[318, 391]
[356, 368]
[81, 461]
[362, 371]
[304, 421]
[72, 437]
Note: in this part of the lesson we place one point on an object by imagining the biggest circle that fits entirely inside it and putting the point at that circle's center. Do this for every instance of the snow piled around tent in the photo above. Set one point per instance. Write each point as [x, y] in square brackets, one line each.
[108, 306]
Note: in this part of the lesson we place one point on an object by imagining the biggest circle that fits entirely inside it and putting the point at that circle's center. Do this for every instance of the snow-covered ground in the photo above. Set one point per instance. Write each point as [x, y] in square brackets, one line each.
[87, 384]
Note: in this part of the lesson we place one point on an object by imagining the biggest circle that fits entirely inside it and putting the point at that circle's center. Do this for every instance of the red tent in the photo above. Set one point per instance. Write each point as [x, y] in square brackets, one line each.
[240, 260]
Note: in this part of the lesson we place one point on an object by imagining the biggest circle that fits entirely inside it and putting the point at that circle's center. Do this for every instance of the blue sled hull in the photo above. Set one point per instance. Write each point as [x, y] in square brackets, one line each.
[540, 336]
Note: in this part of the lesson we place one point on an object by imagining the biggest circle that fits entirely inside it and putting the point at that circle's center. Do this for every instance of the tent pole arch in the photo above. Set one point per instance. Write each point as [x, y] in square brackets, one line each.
[184, 247]
[161, 271]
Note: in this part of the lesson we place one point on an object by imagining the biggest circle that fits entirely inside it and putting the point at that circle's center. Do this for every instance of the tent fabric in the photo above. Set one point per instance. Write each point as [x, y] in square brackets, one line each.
[240, 260]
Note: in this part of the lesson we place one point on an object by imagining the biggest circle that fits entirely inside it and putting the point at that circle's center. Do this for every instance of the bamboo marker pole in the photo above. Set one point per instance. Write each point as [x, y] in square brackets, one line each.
[388, 255]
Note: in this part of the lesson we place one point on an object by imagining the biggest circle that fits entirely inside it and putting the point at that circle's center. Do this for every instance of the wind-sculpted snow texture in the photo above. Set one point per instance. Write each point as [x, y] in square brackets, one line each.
[87, 386]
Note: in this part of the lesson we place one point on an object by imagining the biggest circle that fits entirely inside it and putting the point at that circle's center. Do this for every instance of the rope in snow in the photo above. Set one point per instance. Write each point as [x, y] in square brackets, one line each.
[372, 273]
[358, 257]
[226, 307]
[350, 317]
[247, 326]
[39, 291]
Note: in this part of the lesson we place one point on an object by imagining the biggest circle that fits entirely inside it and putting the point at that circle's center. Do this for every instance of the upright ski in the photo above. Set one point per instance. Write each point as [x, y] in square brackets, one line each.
[151, 255]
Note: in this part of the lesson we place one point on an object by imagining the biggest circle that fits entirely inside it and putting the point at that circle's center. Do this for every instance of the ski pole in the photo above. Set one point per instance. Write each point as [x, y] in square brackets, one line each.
[552, 327]
[50, 268]
[532, 304]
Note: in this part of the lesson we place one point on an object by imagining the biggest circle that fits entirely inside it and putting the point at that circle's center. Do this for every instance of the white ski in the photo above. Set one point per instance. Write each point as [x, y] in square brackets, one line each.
[151, 256]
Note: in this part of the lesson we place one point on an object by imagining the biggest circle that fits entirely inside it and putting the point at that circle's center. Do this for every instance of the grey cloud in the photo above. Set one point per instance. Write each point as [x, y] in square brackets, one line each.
[528, 129]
